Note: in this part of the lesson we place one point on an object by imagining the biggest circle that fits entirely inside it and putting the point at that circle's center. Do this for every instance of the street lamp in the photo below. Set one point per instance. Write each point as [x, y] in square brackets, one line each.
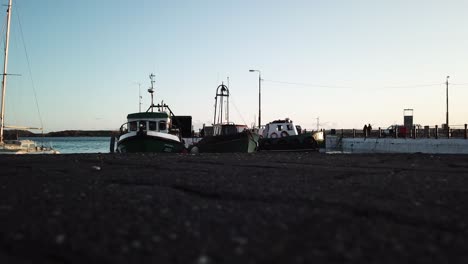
[259, 97]
[447, 113]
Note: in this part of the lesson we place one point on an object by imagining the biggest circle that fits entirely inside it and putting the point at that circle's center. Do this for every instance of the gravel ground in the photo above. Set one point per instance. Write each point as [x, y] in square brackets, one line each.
[234, 208]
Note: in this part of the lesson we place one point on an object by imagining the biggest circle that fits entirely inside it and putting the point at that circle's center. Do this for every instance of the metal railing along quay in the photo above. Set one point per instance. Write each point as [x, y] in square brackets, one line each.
[402, 132]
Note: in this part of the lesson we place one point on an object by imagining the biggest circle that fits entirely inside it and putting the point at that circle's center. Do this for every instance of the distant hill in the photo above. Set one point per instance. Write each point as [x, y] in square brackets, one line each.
[12, 134]
[83, 133]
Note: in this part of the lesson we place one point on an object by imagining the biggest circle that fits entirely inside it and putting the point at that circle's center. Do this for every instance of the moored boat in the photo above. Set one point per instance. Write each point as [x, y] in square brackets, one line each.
[225, 136]
[24, 146]
[284, 135]
[150, 131]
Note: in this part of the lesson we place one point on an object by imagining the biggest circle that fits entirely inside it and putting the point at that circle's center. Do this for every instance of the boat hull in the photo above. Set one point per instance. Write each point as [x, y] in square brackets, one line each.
[148, 143]
[24, 147]
[240, 142]
[306, 141]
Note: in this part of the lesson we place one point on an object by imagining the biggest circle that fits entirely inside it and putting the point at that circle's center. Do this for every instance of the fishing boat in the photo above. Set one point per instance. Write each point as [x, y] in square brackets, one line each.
[282, 134]
[150, 131]
[225, 136]
[15, 146]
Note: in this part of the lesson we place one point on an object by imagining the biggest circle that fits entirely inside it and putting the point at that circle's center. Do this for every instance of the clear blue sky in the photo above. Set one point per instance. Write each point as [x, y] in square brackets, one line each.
[359, 61]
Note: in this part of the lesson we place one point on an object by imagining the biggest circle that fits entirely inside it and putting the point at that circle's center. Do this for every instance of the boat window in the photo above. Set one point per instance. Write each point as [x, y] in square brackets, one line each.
[162, 125]
[289, 127]
[142, 125]
[152, 125]
[279, 128]
[133, 126]
[228, 130]
[124, 128]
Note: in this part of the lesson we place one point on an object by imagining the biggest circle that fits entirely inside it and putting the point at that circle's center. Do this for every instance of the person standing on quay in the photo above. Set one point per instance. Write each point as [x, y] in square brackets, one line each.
[364, 130]
[369, 130]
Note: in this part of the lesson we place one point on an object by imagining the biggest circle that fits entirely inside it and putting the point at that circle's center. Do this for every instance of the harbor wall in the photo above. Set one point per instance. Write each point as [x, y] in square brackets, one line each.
[396, 145]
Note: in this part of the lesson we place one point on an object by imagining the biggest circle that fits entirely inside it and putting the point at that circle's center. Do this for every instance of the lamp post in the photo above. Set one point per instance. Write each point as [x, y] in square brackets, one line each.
[447, 113]
[259, 97]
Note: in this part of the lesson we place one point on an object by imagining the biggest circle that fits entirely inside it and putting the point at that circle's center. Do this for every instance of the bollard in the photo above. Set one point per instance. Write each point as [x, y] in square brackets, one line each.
[354, 133]
[380, 132]
[465, 132]
[342, 132]
[436, 132]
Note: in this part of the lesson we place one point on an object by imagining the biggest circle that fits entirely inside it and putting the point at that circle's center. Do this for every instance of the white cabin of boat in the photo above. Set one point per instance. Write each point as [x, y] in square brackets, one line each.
[147, 121]
[24, 145]
[281, 128]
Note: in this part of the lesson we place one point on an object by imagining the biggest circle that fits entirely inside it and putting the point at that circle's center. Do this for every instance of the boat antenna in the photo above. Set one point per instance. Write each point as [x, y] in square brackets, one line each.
[151, 90]
[5, 66]
[139, 97]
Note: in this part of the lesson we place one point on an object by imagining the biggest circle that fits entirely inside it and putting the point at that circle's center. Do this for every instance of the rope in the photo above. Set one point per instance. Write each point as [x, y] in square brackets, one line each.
[29, 69]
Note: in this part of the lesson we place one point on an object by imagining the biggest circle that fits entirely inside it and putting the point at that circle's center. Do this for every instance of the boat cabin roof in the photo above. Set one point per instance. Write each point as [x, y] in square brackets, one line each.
[148, 115]
[287, 120]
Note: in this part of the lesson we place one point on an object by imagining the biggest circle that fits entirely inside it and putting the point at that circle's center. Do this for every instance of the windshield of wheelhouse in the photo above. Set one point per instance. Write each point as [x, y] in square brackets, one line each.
[228, 130]
[162, 126]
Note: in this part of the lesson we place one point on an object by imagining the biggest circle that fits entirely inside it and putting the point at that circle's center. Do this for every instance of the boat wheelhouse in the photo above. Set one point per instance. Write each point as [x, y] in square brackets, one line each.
[282, 134]
[281, 128]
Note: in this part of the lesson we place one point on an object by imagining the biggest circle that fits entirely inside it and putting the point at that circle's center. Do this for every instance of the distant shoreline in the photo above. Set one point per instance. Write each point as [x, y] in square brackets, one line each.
[65, 133]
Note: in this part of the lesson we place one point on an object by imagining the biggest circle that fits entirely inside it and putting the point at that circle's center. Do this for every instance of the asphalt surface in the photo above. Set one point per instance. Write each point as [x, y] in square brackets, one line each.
[234, 208]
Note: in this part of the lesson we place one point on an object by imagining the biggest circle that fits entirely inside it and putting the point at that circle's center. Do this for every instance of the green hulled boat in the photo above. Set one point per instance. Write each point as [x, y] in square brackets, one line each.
[149, 131]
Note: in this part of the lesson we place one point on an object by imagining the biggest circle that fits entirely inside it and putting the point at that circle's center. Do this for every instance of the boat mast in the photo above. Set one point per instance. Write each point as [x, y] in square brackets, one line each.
[5, 65]
[151, 90]
[222, 93]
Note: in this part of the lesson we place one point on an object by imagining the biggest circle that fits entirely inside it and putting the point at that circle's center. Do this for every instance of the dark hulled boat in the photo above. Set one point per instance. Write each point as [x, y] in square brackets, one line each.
[227, 138]
[224, 136]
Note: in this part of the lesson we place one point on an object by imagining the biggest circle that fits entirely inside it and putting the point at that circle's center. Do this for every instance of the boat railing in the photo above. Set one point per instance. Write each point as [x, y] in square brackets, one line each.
[135, 126]
[435, 132]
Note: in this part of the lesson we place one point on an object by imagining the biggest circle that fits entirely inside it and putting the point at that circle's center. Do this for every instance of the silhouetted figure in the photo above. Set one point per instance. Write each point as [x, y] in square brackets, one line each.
[369, 130]
[364, 130]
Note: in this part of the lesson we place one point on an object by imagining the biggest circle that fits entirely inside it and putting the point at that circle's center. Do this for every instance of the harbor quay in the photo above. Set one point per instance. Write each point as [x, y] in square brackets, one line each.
[264, 207]
[399, 139]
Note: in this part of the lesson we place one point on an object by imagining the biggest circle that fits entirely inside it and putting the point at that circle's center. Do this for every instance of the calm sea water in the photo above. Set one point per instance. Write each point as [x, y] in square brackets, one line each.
[67, 145]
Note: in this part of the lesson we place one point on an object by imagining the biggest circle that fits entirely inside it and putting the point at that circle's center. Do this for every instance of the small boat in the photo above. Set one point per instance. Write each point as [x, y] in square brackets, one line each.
[225, 136]
[284, 135]
[150, 131]
[15, 146]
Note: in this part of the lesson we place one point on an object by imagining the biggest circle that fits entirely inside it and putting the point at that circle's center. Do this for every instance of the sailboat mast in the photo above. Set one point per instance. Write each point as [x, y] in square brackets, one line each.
[5, 65]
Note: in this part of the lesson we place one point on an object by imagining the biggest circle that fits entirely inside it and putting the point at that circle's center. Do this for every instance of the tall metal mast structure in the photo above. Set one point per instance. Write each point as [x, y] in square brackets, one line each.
[5, 67]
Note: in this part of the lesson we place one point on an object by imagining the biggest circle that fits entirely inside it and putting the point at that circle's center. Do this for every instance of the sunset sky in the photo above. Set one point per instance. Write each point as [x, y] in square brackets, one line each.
[346, 62]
